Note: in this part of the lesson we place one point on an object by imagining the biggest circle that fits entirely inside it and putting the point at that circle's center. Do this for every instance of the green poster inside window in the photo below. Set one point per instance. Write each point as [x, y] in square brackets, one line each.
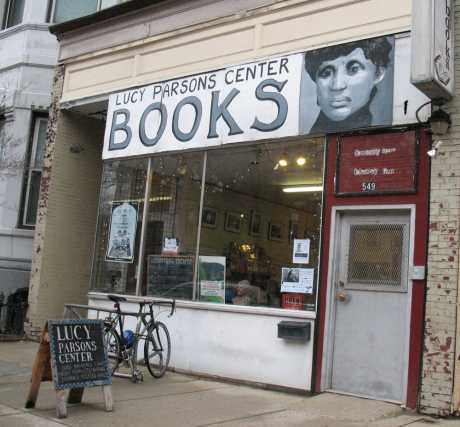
[211, 276]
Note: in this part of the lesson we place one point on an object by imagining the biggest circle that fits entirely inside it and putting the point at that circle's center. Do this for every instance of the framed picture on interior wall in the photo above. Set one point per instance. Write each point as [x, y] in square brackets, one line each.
[255, 224]
[232, 222]
[209, 217]
[275, 231]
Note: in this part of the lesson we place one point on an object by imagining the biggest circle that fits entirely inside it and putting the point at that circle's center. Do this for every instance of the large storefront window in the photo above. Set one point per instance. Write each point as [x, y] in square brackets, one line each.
[260, 202]
[119, 226]
[256, 242]
[173, 212]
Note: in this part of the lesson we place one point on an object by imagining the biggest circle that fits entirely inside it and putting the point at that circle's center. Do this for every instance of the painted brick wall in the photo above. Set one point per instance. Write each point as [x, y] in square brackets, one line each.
[67, 212]
[439, 393]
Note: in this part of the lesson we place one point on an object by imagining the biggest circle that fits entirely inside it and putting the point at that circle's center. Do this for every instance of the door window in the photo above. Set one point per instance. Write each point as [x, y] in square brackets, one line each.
[375, 257]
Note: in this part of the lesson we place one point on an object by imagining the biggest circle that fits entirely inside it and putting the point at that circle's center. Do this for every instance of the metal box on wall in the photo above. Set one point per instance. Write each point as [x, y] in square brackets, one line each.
[297, 331]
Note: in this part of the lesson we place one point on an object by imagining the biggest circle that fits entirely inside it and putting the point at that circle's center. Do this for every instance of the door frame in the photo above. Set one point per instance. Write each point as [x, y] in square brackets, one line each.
[330, 309]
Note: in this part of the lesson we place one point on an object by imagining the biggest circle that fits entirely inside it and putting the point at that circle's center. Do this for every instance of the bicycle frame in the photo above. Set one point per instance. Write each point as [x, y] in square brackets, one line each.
[140, 333]
[115, 320]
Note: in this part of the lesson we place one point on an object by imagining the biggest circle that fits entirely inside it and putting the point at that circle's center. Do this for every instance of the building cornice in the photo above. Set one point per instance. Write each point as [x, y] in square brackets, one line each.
[21, 28]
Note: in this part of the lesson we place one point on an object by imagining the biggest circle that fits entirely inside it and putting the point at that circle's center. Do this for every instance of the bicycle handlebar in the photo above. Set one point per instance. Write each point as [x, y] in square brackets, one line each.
[150, 303]
[159, 302]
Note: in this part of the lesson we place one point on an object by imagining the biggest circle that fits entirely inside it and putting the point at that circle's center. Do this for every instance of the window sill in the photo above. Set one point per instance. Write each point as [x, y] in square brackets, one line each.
[6, 32]
[17, 232]
[196, 305]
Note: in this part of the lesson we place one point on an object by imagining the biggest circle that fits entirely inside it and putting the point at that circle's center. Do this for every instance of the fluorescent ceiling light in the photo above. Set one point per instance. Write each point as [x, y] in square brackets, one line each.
[303, 189]
[160, 199]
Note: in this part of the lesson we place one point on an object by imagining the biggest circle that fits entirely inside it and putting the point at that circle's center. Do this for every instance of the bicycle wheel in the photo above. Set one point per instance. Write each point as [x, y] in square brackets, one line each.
[157, 349]
[113, 345]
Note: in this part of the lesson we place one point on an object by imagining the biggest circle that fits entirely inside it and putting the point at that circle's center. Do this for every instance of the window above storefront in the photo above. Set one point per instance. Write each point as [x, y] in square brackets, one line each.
[249, 236]
[34, 172]
[11, 12]
[66, 10]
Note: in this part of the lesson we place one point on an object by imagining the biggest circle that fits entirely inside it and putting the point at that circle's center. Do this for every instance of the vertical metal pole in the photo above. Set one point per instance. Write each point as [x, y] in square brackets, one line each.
[321, 220]
[198, 236]
[145, 214]
[93, 285]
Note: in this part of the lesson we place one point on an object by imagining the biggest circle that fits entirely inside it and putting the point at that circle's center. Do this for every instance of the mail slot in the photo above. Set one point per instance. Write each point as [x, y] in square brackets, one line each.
[298, 331]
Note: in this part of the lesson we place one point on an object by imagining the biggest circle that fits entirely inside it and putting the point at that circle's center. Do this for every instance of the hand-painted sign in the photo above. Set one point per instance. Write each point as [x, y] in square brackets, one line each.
[78, 353]
[355, 85]
[368, 165]
[432, 66]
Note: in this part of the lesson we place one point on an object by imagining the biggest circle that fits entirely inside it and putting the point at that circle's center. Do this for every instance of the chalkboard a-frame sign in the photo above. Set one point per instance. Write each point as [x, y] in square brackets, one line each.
[72, 354]
[78, 353]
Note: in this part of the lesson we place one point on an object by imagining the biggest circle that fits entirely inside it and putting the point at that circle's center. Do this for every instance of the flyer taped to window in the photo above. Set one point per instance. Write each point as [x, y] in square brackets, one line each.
[301, 251]
[298, 280]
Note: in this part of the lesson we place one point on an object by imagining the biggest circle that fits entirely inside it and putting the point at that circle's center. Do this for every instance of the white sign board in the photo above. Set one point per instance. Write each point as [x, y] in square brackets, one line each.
[432, 62]
[357, 85]
[242, 103]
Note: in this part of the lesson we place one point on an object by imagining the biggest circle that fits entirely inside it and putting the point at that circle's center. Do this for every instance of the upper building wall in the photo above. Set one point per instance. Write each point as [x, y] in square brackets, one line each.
[177, 39]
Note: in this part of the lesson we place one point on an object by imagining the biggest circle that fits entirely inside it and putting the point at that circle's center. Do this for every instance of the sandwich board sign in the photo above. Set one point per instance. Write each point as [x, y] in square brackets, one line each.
[73, 355]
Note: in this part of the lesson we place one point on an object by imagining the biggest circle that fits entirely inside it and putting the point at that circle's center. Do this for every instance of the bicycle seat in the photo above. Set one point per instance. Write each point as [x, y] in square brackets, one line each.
[116, 299]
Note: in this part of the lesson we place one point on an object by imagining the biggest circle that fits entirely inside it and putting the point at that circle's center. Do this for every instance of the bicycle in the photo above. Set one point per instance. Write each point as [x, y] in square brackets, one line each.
[122, 345]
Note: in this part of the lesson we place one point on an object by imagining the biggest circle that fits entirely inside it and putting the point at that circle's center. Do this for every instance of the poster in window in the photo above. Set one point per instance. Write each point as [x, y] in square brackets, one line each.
[297, 280]
[122, 236]
[301, 251]
[211, 276]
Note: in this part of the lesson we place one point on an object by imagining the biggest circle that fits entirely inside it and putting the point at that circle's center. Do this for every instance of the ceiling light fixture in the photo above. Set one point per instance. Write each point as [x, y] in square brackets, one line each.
[303, 189]
[301, 161]
[283, 161]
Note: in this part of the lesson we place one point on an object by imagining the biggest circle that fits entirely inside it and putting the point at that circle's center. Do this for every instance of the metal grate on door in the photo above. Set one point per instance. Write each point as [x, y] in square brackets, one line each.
[375, 257]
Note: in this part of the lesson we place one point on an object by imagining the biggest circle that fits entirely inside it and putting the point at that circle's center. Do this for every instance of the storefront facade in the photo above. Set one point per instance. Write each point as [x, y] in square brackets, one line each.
[259, 165]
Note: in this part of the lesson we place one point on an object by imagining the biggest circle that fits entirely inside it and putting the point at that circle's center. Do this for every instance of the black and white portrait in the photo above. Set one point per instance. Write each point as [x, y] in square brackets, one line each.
[347, 86]
[290, 275]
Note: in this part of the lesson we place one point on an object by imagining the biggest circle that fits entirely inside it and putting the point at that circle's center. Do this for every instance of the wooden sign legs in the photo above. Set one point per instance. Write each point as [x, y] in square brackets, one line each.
[41, 371]
[63, 397]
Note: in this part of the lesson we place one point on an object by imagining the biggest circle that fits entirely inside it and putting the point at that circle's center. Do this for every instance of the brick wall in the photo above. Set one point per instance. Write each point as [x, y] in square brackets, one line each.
[67, 212]
[440, 394]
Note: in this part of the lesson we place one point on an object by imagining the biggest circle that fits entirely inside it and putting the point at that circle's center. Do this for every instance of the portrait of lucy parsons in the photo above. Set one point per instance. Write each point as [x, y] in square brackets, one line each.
[348, 86]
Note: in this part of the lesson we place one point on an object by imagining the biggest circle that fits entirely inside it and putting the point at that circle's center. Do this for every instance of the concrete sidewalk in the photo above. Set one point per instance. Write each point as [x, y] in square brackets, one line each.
[182, 401]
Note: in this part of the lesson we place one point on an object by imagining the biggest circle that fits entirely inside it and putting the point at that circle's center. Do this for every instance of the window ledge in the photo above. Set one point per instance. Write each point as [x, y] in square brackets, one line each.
[17, 232]
[6, 32]
[196, 305]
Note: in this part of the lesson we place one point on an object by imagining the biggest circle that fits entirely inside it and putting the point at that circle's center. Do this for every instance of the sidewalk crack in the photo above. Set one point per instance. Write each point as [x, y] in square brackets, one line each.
[248, 417]
[169, 394]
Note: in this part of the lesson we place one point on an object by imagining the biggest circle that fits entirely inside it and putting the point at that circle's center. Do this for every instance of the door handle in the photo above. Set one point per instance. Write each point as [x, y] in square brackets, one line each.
[341, 295]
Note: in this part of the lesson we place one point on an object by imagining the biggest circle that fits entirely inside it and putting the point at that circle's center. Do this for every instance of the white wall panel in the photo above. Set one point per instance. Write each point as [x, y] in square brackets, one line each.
[272, 30]
[185, 52]
[233, 345]
[106, 72]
